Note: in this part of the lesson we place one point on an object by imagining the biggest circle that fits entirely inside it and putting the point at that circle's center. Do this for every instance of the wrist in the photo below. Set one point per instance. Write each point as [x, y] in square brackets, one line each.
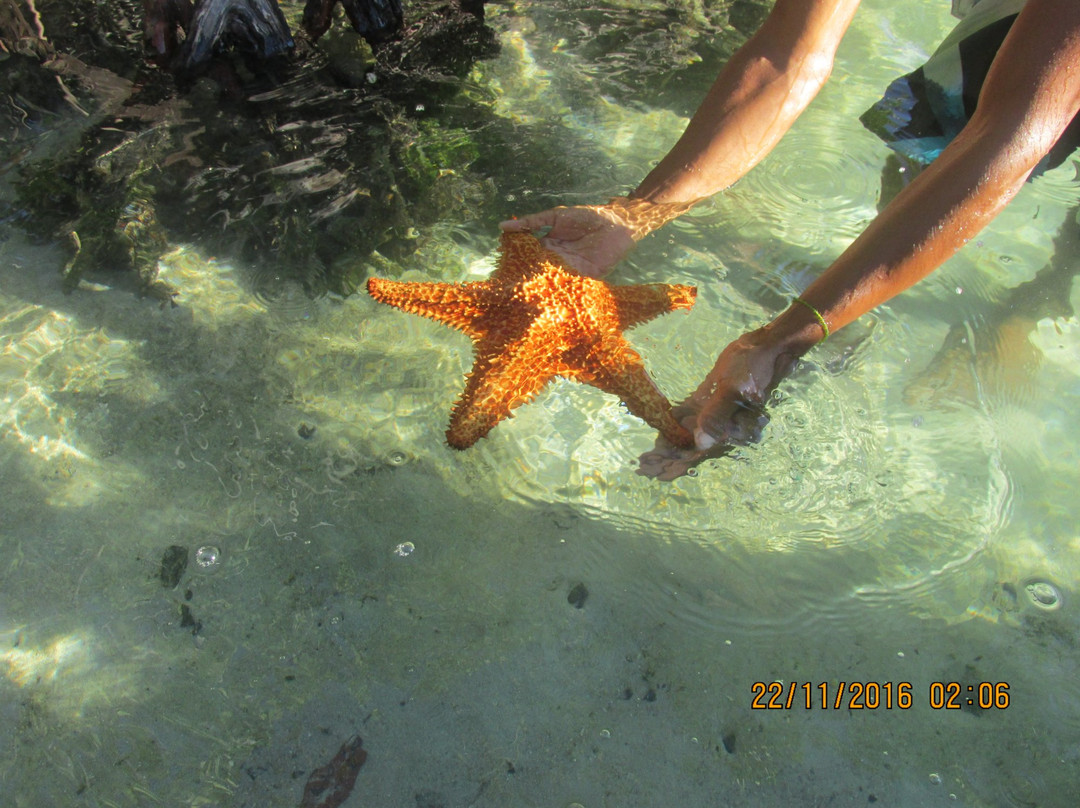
[640, 216]
[792, 333]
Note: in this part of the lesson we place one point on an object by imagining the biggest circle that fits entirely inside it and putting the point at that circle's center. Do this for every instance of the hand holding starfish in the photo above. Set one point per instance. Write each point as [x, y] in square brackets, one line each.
[594, 238]
[533, 319]
[727, 409]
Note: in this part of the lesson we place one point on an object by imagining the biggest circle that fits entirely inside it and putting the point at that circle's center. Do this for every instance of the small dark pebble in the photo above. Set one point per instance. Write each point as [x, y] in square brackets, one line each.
[729, 742]
[510, 768]
[188, 594]
[429, 799]
[627, 694]
[173, 563]
[871, 798]
[578, 595]
[306, 431]
[650, 695]
[187, 619]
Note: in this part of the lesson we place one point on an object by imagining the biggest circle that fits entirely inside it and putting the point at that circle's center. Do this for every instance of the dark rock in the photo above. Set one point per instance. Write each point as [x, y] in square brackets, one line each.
[578, 595]
[173, 563]
[375, 20]
[255, 28]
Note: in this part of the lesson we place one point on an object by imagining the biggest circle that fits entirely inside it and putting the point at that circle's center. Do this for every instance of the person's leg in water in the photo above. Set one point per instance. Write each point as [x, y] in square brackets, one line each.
[991, 353]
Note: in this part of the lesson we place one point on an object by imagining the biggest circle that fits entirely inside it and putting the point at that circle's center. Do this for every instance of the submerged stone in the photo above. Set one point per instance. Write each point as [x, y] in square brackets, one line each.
[173, 563]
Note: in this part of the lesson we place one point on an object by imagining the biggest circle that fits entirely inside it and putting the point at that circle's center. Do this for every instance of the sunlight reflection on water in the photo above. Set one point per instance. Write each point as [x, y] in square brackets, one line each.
[296, 444]
[847, 461]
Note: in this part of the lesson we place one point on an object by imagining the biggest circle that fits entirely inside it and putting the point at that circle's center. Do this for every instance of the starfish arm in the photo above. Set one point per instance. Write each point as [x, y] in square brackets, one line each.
[455, 305]
[498, 382]
[639, 304]
[617, 368]
[521, 256]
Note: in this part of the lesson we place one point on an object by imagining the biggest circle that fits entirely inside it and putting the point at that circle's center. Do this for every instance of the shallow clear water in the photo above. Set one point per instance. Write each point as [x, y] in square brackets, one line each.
[910, 515]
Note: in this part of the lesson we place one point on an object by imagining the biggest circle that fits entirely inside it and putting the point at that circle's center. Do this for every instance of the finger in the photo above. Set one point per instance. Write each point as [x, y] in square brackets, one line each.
[714, 421]
[748, 424]
[662, 469]
[533, 221]
[651, 463]
[703, 440]
[672, 470]
[666, 462]
[731, 423]
[576, 261]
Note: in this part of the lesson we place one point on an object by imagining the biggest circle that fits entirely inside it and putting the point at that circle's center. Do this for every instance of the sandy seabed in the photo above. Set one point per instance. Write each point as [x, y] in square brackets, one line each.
[366, 581]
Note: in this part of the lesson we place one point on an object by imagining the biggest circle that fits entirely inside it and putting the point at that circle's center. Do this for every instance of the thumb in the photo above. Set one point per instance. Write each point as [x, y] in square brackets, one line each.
[533, 221]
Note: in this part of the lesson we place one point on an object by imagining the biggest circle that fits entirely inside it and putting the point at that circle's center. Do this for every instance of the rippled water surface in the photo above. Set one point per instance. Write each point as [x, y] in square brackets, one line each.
[232, 536]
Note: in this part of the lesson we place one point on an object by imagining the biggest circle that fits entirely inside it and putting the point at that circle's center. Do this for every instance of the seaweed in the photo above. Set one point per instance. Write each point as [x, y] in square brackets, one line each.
[309, 170]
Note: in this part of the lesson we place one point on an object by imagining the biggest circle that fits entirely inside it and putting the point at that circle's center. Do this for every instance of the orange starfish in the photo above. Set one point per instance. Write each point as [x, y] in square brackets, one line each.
[534, 319]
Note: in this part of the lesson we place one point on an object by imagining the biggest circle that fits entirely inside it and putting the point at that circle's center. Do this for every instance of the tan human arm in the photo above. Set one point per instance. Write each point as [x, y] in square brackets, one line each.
[756, 98]
[1030, 96]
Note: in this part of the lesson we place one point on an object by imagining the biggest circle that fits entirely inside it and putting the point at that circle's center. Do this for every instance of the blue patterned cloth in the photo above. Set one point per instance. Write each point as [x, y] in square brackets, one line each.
[923, 111]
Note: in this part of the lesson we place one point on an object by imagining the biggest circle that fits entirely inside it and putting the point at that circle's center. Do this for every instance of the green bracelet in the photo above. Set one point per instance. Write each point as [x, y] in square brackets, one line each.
[821, 320]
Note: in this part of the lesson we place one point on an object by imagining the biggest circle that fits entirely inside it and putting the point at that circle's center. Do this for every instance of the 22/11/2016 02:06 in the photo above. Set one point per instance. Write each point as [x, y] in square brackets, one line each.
[874, 695]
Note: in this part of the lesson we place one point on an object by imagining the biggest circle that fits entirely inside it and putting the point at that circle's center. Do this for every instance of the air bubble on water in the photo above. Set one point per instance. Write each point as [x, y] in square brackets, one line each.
[935, 779]
[208, 558]
[404, 549]
[397, 458]
[1043, 594]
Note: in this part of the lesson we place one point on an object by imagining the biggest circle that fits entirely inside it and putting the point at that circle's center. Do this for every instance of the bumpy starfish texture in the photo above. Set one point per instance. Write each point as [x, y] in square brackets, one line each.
[534, 319]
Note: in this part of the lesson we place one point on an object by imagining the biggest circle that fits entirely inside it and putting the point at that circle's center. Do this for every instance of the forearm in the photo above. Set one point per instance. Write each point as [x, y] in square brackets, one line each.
[753, 102]
[943, 209]
[1026, 104]
[940, 211]
[745, 114]
[756, 98]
